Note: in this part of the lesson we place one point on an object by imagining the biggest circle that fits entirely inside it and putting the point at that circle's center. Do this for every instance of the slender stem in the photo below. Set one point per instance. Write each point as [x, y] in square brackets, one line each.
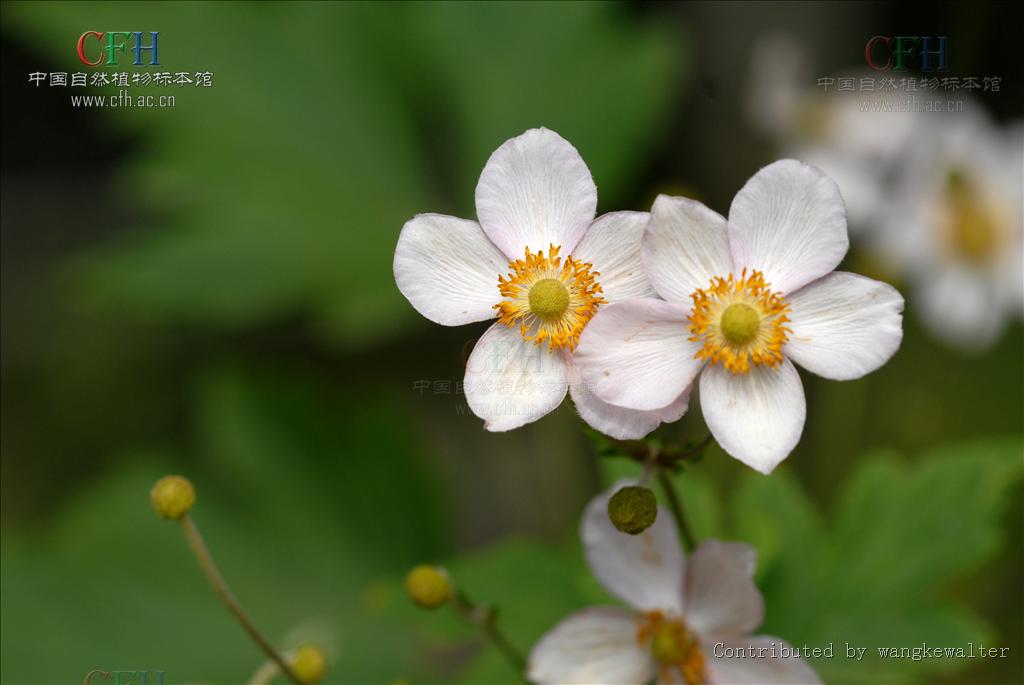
[484, 618]
[677, 509]
[202, 553]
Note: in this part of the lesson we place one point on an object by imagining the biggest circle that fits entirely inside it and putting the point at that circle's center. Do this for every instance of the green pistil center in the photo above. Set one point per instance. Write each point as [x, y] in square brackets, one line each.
[549, 298]
[740, 323]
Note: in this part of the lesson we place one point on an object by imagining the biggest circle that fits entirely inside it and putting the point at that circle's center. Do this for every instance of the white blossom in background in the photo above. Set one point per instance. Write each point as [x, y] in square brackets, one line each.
[540, 263]
[685, 615]
[741, 300]
[955, 227]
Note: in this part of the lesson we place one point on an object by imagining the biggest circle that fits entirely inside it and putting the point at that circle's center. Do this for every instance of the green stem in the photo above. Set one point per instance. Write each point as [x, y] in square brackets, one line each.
[484, 618]
[202, 554]
[676, 505]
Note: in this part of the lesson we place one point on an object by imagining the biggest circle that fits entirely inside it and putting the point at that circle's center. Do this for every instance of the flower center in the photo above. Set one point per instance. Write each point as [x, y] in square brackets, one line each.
[972, 231]
[550, 298]
[674, 646]
[740, 322]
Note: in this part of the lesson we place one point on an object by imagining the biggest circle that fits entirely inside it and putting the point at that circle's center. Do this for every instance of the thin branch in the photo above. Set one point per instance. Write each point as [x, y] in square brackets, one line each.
[202, 554]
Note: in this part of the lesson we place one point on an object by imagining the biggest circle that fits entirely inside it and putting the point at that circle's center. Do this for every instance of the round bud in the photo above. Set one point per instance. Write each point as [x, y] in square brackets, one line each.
[309, 663]
[172, 497]
[428, 586]
[632, 509]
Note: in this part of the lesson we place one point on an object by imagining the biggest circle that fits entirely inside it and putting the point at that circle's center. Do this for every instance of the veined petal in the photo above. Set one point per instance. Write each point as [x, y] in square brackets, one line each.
[637, 354]
[619, 422]
[758, 416]
[511, 382]
[596, 645]
[686, 245]
[788, 222]
[646, 570]
[721, 598]
[448, 269]
[756, 670]
[612, 245]
[535, 191]
[844, 325]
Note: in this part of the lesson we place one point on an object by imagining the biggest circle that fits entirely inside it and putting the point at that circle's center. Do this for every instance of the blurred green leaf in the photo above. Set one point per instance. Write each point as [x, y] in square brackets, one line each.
[875, 576]
[281, 190]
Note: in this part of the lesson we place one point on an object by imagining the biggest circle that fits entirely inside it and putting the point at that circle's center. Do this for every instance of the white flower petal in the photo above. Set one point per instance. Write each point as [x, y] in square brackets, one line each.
[788, 222]
[592, 646]
[962, 307]
[637, 354]
[646, 570]
[448, 269]
[535, 191]
[685, 246]
[619, 422]
[612, 245]
[757, 670]
[844, 325]
[721, 598]
[758, 416]
[511, 382]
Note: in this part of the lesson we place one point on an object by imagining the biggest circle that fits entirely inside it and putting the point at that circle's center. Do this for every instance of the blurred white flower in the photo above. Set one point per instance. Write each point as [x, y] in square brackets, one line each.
[741, 298]
[536, 202]
[955, 227]
[690, 619]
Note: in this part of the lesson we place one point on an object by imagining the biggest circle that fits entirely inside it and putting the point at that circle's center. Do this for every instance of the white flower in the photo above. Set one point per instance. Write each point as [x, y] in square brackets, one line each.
[686, 617]
[541, 264]
[742, 298]
[956, 228]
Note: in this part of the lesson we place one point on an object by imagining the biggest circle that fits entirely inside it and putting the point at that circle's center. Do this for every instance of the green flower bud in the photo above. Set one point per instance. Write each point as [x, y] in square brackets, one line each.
[428, 586]
[309, 663]
[172, 497]
[632, 509]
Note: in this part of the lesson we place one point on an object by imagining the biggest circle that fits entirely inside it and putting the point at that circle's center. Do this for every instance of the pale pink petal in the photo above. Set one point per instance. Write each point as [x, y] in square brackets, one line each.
[788, 222]
[619, 422]
[511, 382]
[781, 669]
[844, 325]
[448, 269]
[535, 191]
[612, 245]
[646, 571]
[721, 598]
[758, 416]
[637, 354]
[596, 645]
[685, 246]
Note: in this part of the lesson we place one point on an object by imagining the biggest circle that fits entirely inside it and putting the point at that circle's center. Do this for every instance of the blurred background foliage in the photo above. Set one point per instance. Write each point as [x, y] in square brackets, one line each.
[208, 290]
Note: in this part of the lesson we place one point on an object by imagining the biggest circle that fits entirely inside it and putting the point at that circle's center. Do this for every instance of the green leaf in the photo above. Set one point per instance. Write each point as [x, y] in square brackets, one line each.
[876, 576]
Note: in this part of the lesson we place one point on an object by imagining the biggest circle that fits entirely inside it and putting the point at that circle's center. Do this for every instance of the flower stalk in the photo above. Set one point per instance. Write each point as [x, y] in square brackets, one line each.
[485, 618]
[202, 553]
[676, 506]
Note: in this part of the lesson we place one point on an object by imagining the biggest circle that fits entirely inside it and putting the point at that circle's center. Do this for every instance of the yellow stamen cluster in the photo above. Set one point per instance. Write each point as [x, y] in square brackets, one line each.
[740, 322]
[974, 233]
[674, 646]
[550, 298]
